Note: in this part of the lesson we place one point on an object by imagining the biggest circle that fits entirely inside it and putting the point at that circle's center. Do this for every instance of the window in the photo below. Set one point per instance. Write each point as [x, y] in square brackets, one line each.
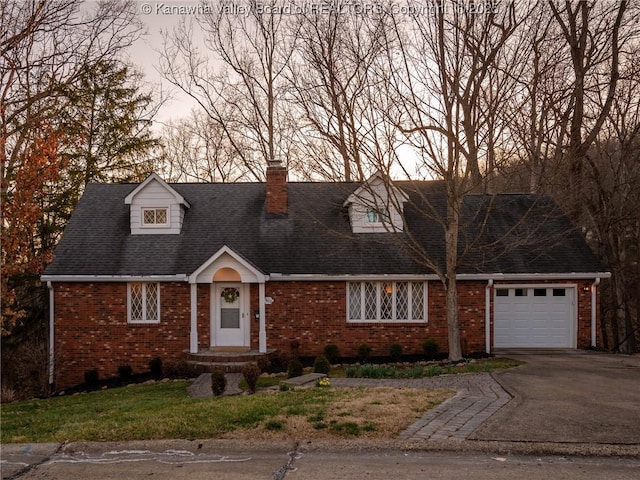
[502, 292]
[521, 292]
[539, 292]
[558, 292]
[154, 216]
[386, 301]
[377, 215]
[143, 302]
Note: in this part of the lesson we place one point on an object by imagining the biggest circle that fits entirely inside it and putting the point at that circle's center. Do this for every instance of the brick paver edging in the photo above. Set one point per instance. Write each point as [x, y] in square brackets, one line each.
[478, 397]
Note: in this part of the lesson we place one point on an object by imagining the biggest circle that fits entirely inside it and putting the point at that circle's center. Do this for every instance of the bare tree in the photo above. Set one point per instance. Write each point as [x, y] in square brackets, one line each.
[238, 79]
[611, 208]
[196, 149]
[45, 47]
[331, 79]
[446, 107]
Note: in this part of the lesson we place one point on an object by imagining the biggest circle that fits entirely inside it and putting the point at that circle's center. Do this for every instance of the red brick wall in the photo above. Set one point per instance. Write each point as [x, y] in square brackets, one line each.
[314, 315]
[91, 329]
[276, 190]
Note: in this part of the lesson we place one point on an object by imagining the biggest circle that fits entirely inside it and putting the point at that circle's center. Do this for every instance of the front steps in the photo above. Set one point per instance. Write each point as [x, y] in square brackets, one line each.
[228, 362]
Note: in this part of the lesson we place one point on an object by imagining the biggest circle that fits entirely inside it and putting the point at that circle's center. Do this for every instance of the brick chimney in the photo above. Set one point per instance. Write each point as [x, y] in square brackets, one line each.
[276, 203]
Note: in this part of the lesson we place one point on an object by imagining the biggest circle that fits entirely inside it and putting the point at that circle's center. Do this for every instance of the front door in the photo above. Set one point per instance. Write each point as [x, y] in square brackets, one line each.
[229, 316]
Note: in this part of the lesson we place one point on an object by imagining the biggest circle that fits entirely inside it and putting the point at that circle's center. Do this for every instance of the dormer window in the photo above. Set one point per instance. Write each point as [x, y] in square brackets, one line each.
[378, 215]
[377, 206]
[155, 217]
[156, 208]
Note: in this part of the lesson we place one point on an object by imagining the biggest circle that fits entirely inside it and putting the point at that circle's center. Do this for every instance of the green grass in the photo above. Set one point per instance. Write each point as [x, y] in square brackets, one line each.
[151, 412]
[419, 371]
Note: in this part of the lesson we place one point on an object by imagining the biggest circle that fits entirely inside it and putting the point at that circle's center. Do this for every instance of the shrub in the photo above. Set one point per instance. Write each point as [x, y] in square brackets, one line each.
[125, 372]
[91, 377]
[218, 382]
[395, 351]
[431, 349]
[332, 352]
[295, 368]
[155, 365]
[251, 373]
[364, 353]
[321, 365]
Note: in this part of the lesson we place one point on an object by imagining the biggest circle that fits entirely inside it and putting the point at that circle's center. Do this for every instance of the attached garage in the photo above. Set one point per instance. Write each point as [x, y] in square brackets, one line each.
[534, 316]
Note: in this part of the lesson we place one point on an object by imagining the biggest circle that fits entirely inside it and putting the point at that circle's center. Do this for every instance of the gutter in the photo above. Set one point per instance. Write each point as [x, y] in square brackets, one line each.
[487, 315]
[51, 333]
[594, 288]
[181, 277]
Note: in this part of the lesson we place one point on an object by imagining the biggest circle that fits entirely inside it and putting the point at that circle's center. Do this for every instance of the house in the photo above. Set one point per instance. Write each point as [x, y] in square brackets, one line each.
[167, 270]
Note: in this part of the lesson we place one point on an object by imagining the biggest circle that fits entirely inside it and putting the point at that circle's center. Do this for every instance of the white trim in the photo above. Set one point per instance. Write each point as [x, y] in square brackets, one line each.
[594, 288]
[262, 335]
[182, 277]
[144, 304]
[487, 315]
[51, 333]
[321, 277]
[301, 277]
[193, 335]
[533, 276]
[154, 176]
[167, 213]
[260, 277]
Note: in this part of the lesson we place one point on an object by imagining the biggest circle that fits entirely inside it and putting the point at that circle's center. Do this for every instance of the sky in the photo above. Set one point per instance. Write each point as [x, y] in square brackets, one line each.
[158, 16]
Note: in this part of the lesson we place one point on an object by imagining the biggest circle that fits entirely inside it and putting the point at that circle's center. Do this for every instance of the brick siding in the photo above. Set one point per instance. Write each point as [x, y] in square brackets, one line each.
[91, 329]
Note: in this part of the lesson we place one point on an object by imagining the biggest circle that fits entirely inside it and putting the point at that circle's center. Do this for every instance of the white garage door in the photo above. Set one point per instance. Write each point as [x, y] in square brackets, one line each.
[533, 317]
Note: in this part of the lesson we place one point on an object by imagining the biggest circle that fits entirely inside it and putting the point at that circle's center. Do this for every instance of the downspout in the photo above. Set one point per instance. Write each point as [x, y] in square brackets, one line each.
[594, 288]
[487, 315]
[51, 333]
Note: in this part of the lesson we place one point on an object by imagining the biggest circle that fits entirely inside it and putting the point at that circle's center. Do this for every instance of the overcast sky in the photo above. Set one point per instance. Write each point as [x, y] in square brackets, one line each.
[157, 16]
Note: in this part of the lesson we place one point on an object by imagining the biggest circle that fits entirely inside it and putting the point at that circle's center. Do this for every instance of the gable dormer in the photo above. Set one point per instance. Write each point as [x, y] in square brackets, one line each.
[376, 206]
[155, 208]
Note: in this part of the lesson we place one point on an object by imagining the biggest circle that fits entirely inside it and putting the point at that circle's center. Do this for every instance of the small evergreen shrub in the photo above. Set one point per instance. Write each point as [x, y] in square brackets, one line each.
[364, 353]
[251, 373]
[91, 377]
[295, 368]
[218, 382]
[155, 365]
[321, 365]
[431, 349]
[395, 351]
[125, 372]
[332, 352]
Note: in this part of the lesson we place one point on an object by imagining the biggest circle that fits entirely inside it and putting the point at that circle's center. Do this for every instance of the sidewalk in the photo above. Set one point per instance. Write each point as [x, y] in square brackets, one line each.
[479, 397]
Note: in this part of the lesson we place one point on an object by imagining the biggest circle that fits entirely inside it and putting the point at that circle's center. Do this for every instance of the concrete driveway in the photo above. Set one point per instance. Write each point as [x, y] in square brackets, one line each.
[568, 397]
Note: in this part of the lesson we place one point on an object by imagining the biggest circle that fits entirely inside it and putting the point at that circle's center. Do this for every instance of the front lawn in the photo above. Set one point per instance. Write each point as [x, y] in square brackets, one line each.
[164, 410]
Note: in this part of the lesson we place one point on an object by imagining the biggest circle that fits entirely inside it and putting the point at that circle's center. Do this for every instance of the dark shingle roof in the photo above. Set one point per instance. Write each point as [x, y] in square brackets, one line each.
[518, 234]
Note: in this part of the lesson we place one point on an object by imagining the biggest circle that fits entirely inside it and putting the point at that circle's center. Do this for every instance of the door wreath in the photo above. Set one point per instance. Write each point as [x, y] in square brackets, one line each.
[230, 294]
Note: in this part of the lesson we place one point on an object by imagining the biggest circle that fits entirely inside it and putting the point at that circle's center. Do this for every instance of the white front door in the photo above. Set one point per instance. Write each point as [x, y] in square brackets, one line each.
[230, 319]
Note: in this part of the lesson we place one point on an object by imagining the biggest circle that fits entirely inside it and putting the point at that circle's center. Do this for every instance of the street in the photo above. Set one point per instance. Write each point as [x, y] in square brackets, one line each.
[265, 462]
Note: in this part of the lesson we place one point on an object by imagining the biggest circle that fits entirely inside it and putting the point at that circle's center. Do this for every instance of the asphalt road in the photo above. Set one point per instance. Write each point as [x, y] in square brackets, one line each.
[271, 463]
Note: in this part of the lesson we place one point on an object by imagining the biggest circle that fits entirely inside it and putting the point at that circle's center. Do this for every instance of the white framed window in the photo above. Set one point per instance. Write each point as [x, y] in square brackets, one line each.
[143, 302]
[378, 215]
[155, 216]
[387, 301]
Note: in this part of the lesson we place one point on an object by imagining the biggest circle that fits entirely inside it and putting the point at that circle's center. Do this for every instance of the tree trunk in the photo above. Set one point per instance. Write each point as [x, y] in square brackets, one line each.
[451, 284]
